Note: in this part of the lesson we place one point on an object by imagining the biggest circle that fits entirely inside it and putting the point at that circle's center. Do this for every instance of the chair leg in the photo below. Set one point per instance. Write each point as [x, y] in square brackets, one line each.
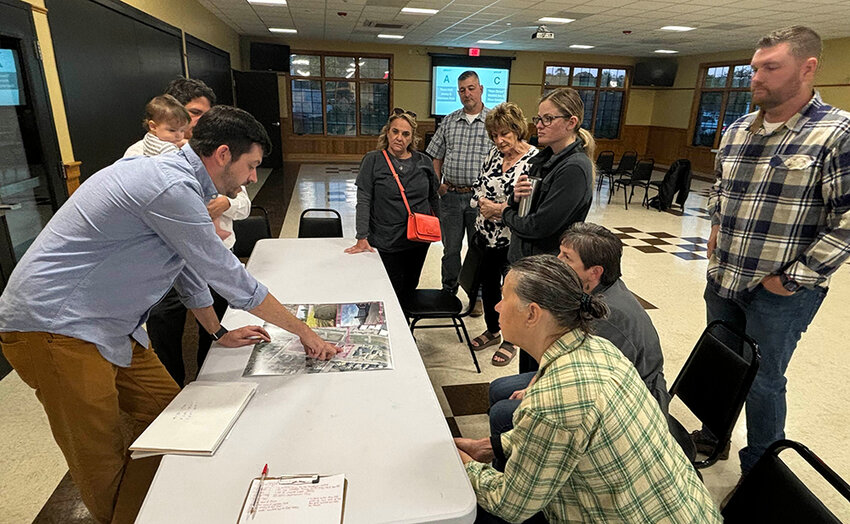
[469, 345]
[631, 194]
[599, 183]
[457, 330]
[412, 327]
[626, 197]
[611, 191]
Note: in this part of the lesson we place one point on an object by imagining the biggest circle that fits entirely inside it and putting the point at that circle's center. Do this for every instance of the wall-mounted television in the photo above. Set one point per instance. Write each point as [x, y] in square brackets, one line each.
[660, 73]
[493, 72]
[269, 57]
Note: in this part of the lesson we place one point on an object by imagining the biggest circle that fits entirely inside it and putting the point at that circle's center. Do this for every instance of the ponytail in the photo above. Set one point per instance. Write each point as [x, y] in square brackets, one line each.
[589, 148]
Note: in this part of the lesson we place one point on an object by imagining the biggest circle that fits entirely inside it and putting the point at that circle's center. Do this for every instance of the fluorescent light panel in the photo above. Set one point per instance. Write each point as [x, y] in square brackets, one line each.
[391, 37]
[581, 46]
[419, 11]
[554, 20]
[679, 28]
[282, 30]
[494, 42]
[267, 2]
[666, 51]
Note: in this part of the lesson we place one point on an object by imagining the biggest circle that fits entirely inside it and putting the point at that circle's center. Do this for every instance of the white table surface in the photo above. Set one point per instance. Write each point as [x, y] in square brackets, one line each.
[383, 429]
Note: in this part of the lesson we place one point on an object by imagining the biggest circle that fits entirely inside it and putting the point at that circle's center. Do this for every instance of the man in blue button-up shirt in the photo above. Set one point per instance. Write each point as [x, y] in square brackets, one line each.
[71, 315]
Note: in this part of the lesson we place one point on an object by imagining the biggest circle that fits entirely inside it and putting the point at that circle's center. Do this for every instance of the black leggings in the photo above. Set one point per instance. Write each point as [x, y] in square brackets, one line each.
[404, 268]
[493, 266]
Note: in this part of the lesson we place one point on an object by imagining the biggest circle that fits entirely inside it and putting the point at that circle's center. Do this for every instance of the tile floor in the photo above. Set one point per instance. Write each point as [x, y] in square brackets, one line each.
[670, 287]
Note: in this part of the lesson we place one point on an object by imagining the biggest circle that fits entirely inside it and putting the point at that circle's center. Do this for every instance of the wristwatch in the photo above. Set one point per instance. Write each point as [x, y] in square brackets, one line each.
[220, 333]
[788, 283]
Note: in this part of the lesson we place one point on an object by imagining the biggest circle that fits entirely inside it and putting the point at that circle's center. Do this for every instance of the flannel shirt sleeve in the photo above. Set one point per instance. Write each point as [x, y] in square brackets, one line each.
[832, 247]
[714, 193]
[542, 456]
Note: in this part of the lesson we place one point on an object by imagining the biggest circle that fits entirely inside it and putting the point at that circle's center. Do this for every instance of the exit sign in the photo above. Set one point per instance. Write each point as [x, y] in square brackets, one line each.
[474, 51]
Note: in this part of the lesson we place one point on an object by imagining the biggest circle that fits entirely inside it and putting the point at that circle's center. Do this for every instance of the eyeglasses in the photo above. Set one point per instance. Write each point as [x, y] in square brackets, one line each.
[547, 119]
[400, 111]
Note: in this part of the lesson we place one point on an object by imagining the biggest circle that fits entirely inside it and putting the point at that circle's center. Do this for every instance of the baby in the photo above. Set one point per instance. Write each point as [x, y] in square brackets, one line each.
[166, 121]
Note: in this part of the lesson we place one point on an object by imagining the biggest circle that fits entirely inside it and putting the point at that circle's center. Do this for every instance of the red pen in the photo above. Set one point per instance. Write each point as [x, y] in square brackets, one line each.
[259, 489]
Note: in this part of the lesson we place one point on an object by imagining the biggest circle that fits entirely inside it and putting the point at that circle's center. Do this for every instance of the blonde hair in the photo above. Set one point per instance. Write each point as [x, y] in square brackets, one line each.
[383, 143]
[568, 101]
[506, 116]
[165, 109]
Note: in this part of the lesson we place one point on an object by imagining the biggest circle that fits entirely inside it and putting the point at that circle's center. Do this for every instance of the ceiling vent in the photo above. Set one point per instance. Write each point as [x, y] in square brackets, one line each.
[384, 25]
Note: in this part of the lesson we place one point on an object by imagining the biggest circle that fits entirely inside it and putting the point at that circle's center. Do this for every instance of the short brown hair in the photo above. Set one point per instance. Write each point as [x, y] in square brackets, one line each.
[596, 246]
[165, 108]
[508, 116]
[803, 41]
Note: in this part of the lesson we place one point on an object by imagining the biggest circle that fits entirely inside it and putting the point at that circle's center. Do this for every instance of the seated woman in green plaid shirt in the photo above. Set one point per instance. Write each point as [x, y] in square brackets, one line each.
[589, 443]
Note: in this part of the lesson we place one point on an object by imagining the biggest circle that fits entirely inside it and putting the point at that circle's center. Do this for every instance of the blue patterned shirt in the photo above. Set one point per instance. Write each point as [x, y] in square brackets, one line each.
[462, 146]
[115, 248]
[782, 200]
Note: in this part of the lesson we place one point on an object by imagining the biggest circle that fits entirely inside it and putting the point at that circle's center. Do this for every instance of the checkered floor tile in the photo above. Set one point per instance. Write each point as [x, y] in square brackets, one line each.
[686, 248]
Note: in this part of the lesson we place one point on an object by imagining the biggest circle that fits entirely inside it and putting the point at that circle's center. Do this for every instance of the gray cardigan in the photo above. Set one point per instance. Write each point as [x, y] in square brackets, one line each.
[381, 215]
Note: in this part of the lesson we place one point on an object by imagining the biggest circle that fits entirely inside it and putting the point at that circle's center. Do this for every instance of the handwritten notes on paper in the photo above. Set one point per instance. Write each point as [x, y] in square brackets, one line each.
[312, 500]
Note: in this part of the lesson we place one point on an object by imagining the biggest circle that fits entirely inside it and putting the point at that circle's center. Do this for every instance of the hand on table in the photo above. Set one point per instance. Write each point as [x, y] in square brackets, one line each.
[361, 246]
[244, 336]
[491, 210]
[315, 347]
[478, 450]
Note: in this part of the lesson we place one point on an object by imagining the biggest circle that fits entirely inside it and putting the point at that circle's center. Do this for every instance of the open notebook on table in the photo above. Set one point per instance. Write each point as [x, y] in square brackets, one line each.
[196, 421]
[306, 499]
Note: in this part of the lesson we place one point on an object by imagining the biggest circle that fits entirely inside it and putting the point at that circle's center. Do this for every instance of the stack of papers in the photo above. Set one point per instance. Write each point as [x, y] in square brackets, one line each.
[196, 421]
[303, 499]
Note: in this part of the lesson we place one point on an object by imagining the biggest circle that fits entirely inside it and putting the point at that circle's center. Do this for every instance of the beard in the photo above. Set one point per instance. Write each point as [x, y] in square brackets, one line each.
[768, 99]
[230, 189]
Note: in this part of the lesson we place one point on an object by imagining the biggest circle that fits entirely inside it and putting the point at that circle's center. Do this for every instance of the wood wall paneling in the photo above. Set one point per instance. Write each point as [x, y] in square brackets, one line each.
[72, 176]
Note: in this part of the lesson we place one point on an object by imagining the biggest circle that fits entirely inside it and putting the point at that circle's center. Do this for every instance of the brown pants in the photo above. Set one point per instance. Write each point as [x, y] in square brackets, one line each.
[83, 395]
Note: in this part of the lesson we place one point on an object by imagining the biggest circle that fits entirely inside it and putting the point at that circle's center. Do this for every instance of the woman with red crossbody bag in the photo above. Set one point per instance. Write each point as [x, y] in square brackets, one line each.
[397, 203]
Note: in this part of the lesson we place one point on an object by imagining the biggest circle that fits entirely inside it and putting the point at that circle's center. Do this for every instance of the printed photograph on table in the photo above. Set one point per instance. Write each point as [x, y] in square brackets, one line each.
[358, 329]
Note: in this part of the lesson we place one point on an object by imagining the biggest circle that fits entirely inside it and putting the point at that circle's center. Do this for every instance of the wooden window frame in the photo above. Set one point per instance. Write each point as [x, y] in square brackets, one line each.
[597, 89]
[700, 89]
[356, 80]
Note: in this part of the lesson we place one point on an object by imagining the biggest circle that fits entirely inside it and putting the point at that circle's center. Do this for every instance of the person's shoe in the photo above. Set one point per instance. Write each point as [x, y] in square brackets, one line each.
[478, 309]
[705, 445]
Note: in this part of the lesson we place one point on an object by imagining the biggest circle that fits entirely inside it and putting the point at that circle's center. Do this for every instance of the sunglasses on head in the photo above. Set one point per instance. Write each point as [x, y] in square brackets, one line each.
[400, 111]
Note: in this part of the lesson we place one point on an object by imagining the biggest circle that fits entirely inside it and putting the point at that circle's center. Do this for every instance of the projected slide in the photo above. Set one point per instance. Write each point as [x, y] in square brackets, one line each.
[10, 89]
[444, 97]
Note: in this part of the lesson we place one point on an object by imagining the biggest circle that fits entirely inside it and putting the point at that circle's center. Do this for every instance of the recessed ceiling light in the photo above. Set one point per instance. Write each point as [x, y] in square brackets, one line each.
[666, 51]
[267, 2]
[680, 28]
[282, 30]
[391, 37]
[553, 20]
[419, 11]
[494, 42]
[581, 46]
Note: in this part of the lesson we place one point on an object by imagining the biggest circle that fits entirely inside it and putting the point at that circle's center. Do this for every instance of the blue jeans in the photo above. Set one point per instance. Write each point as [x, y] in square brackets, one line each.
[501, 406]
[456, 216]
[776, 323]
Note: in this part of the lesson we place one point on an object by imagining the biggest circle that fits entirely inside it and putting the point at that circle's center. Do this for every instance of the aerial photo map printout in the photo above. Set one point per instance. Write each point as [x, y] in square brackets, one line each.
[360, 330]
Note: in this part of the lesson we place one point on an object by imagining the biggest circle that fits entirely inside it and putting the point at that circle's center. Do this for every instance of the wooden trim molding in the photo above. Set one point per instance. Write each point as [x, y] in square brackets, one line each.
[38, 9]
[72, 176]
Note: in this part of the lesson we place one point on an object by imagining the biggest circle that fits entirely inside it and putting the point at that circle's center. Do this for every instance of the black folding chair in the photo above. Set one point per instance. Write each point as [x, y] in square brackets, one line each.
[319, 227]
[641, 174]
[771, 492]
[625, 167]
[715, 381]
[249, 230]
[427, 304]
[605, 168]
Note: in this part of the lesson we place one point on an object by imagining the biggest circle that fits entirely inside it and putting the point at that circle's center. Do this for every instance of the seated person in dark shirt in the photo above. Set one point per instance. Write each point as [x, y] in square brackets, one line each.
[594, 253]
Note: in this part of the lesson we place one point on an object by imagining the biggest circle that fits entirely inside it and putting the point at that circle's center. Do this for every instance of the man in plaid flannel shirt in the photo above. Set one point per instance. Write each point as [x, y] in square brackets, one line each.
[780, 219]
[459, 148]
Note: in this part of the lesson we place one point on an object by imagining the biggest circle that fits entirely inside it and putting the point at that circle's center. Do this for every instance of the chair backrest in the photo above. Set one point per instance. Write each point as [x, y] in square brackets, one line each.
[643, 170]
[716, 378]
[627, 162]
[605, 161]
[470, 275]
[320, 227]
[771, 492]
[249, 230]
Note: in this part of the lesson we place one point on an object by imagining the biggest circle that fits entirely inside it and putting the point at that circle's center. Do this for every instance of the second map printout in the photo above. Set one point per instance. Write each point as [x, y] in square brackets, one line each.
[360, 330]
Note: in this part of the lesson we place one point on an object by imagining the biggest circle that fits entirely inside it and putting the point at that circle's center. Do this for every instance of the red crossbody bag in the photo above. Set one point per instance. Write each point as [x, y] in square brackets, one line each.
[420, 227]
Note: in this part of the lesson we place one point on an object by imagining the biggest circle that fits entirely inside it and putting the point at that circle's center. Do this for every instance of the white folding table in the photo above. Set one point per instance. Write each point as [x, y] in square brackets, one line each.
[383, 429]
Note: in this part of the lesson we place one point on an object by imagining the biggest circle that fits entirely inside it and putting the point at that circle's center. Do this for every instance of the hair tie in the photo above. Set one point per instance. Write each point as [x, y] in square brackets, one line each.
[585, 302]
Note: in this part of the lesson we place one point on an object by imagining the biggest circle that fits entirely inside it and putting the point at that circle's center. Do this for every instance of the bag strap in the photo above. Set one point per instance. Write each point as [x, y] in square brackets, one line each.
[400, 187]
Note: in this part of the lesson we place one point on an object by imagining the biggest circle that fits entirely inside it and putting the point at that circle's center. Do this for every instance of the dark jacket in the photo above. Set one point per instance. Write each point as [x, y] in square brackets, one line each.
[562, 198]
[381, 215]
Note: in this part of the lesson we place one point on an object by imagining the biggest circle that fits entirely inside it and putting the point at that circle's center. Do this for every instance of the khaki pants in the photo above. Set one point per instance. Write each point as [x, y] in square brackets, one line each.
[83, 395]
